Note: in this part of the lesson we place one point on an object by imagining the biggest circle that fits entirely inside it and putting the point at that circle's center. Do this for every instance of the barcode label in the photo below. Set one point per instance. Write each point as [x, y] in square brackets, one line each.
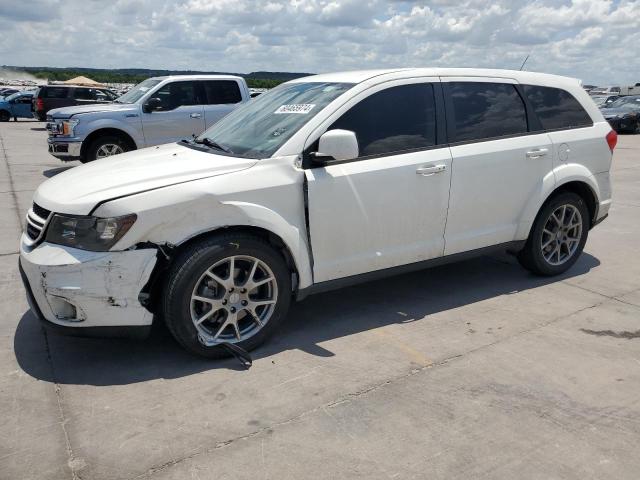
[303, 108]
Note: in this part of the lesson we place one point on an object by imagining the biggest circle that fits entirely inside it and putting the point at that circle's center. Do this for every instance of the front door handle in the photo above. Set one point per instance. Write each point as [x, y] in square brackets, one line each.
[537, 153]
[195, 115]
[428, 170]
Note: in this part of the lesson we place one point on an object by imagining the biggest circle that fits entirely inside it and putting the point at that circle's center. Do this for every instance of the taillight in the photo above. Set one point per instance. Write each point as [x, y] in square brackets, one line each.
[39, 104]
[612, 139]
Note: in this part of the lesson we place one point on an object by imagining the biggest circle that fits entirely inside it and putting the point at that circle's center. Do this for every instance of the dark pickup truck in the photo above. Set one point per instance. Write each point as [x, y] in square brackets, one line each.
[48, 97]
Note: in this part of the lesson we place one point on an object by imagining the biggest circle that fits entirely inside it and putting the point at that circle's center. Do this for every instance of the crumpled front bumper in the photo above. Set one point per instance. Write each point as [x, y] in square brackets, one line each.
[79, 289]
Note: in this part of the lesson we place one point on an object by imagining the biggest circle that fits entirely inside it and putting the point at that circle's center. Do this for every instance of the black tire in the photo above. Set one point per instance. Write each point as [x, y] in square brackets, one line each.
[531, 256]
[92, 151]
[4, 116]
[186, 271]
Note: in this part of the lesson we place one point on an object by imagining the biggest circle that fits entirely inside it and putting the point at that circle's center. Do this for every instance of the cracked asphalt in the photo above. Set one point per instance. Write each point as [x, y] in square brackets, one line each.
[473, 370]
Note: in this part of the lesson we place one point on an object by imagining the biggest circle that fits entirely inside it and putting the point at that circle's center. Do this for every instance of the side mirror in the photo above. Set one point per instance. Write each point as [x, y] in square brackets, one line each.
[336, 145]
[152, 104]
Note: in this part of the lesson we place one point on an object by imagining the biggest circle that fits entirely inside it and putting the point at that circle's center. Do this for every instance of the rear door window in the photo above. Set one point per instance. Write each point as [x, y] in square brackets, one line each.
[84, 94]
[393, 120]
[556, 108]
[220, 92]
[483, 110]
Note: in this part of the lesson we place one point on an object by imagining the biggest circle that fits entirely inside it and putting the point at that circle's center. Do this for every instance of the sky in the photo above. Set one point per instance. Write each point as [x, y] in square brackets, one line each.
[594, 40]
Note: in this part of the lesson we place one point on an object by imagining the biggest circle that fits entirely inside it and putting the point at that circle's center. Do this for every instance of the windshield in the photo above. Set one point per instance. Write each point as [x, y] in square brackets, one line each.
[259, 128]
[12, 96]
[137, 92]
[628, 103]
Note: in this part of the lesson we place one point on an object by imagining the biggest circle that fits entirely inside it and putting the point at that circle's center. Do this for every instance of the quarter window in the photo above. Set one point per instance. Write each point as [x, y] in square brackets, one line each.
[393, 120]
[556, 108]
[221, 92]
[54, 92]
[177, 94]
[486, 110]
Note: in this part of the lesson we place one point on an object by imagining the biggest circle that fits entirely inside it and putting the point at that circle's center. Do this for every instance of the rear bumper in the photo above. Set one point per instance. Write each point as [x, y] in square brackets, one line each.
[89, 292]
[64, 149]
[603, 180]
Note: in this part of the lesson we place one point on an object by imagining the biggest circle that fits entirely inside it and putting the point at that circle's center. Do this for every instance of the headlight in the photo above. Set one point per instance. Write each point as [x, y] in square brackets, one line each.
[88, 233]
[65, 127]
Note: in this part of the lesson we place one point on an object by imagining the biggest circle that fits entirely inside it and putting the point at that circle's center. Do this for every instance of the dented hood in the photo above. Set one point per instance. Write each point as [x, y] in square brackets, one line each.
[79, 189]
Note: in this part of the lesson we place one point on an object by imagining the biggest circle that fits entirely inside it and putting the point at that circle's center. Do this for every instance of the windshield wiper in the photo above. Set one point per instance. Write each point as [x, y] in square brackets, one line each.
[212, 144]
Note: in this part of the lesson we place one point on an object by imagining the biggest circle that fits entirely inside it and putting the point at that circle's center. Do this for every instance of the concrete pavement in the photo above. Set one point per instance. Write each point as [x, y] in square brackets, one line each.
[473, 370]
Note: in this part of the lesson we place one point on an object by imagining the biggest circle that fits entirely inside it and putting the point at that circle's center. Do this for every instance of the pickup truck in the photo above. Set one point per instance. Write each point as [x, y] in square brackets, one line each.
[158, 110]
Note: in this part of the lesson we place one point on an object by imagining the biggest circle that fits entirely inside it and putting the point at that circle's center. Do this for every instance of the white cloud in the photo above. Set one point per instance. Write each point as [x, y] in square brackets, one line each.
[590, 39]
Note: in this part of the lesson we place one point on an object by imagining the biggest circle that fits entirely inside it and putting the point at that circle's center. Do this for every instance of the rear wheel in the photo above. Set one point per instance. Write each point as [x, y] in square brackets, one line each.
[558, 235]
[231, 288]
[106, 146]
[4, 116]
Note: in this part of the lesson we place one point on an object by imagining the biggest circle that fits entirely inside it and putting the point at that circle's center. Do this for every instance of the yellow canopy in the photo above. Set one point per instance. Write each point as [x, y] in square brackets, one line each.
[83, 81]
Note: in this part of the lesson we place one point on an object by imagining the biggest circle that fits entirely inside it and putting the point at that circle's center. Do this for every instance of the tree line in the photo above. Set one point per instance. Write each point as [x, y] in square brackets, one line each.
[106, 76]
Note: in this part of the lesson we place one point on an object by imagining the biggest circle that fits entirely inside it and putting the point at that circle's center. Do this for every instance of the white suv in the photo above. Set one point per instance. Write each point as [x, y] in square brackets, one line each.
[322, 182]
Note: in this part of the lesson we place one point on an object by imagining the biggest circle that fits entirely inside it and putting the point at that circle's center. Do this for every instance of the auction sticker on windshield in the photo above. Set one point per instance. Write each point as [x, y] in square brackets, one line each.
[303, 108]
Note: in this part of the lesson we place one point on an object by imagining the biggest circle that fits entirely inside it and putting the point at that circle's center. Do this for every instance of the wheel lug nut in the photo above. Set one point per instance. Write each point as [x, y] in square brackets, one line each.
[231, 290]
[244, 290]
[224, 302]
[244, 302]
[233, 310]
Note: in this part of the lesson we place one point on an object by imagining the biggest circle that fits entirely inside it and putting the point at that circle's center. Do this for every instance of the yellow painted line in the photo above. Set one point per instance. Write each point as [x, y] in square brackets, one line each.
[412, 353]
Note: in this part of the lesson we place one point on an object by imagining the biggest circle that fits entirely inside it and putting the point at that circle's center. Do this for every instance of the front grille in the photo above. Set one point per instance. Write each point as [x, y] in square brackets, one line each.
[41, 212]
[33, 232]
[37, 219]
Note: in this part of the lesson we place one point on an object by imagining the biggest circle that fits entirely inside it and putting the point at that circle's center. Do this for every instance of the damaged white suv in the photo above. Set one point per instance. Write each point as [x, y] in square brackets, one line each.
[322, 182]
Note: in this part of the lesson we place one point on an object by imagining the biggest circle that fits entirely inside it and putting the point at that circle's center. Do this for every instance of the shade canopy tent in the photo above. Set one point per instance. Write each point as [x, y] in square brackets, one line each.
[83, 81]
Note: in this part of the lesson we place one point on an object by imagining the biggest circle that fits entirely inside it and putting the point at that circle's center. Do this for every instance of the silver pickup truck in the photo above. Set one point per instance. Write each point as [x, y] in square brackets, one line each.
[158, 110]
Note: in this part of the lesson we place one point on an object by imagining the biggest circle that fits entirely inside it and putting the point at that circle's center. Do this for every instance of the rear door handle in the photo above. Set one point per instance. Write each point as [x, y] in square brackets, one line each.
[537, 153]
[428, 170]
[195, 115]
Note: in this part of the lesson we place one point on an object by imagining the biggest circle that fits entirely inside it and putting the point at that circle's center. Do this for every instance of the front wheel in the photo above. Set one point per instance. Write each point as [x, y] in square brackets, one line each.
[231, 288]
[106, 146]
[558, 235]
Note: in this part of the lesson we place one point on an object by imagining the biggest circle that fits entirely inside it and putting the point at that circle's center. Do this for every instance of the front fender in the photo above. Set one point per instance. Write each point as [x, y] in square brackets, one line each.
[561, 175]
[132, 127]
[162, 220]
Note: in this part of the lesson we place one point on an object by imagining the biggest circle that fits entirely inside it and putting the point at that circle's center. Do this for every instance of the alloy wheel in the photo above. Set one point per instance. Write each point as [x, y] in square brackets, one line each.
[233, 300]
[108, 149]
[561, 234]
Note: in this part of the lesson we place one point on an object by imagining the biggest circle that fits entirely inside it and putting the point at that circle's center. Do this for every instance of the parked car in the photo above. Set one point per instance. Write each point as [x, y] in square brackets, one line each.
[158, 110]
[5, 92]
[322, 182]
[596, 92]
[604, 100]
[49, 97]
[624, 114]
[17, 106]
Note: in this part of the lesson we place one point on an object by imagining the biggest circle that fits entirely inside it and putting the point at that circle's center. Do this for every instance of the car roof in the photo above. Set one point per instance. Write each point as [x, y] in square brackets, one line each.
[199, 77]
[360, 76]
